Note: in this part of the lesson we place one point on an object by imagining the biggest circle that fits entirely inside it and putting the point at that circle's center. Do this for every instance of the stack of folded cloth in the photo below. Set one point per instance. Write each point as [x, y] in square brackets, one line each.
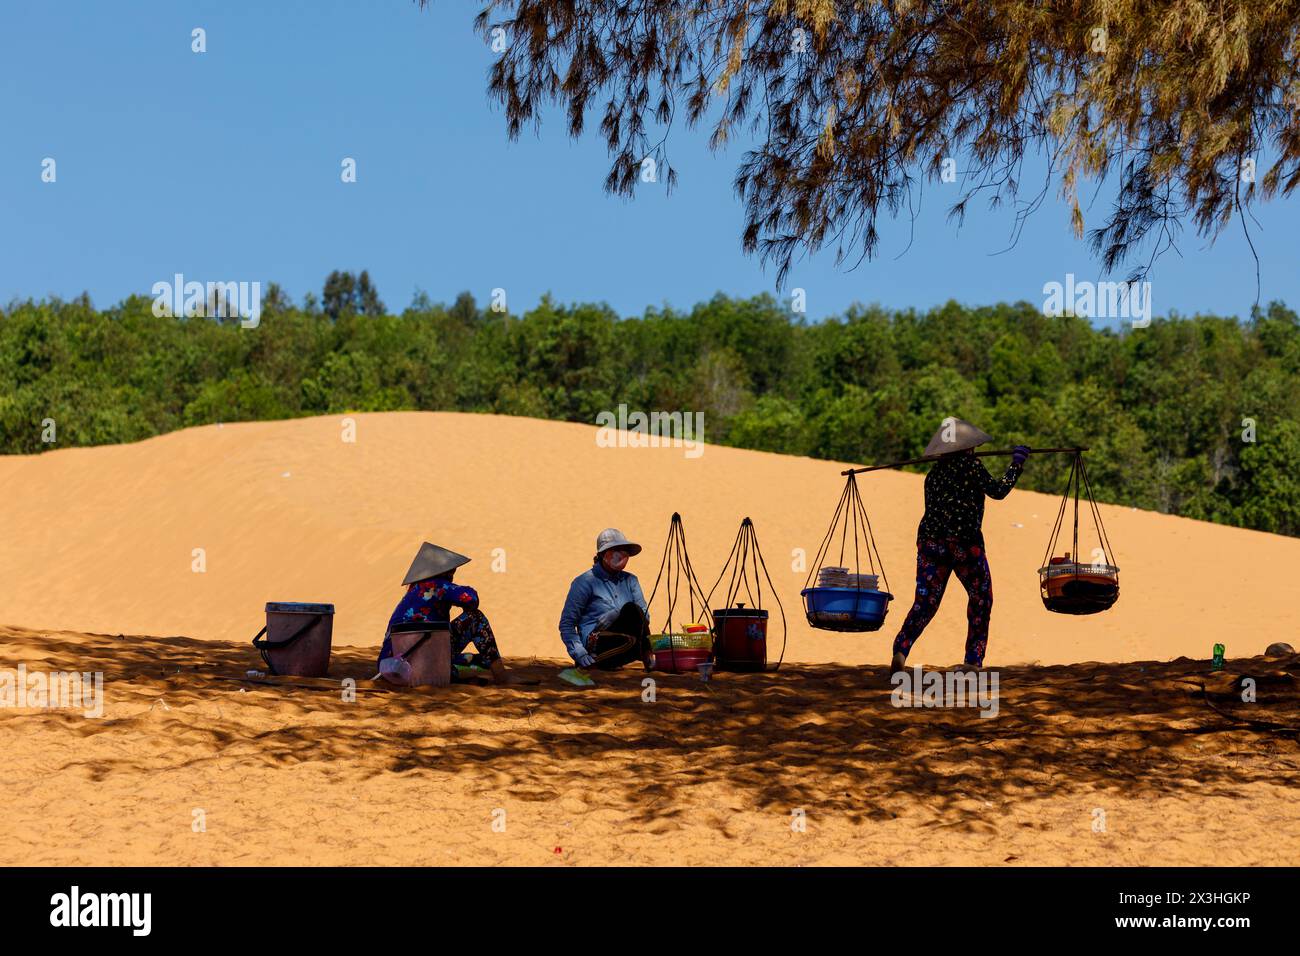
[841, 578]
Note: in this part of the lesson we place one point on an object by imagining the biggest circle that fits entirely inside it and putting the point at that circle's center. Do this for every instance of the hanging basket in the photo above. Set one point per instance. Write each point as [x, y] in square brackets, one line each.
[684, 643]
[846, 609]
[740, 631]
[844, 600]
[1068, 586]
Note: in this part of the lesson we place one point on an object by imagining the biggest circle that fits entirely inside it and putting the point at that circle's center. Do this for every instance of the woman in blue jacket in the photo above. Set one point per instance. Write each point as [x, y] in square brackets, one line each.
[605, 622]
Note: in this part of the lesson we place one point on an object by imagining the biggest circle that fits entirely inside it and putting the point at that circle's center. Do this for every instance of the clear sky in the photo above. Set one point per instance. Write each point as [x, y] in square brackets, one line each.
[226, 166]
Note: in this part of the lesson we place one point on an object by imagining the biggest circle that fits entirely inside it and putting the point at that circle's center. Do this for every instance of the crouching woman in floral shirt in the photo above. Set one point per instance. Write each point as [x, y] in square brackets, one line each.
[430, 595]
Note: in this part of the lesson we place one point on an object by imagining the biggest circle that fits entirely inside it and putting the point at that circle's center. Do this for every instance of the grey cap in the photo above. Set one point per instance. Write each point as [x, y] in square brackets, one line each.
[432, 561]
[955, 435]
[612, 538]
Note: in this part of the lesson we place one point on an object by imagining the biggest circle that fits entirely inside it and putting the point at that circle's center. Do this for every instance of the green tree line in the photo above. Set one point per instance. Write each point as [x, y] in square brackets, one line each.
[1195, 416]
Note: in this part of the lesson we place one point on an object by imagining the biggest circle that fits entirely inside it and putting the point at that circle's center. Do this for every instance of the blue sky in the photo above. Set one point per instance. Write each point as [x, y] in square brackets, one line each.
[225, 166]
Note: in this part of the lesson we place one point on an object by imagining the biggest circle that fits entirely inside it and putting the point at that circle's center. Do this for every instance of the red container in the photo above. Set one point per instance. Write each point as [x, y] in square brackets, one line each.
[683, 660]
[740, 638]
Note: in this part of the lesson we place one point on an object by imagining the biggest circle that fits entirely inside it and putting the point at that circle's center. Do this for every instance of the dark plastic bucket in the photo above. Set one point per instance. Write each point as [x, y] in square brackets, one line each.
[298, 638]
[426, 646]
[740, 638]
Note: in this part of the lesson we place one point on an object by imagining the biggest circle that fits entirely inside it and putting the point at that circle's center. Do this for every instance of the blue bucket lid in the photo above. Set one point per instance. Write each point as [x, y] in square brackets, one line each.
[297, 607]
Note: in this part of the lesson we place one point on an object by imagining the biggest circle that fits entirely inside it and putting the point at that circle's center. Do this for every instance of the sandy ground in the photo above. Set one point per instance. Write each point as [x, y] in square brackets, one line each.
[104, 539]
[1154, 762]
[1089, 764]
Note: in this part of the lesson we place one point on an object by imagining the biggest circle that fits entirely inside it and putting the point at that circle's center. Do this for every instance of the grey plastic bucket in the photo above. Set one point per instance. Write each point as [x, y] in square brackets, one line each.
[298, 638]
[427, 648]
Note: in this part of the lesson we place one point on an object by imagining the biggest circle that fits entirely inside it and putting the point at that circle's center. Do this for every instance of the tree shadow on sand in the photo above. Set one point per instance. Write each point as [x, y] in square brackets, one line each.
[827, 736]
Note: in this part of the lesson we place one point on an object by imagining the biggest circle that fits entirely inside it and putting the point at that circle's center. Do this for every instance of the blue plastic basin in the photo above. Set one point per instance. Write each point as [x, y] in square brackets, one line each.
[846, 609]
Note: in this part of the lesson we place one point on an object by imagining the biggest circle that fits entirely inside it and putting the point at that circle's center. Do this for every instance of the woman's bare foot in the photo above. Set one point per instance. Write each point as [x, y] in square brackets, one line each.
[896, 666]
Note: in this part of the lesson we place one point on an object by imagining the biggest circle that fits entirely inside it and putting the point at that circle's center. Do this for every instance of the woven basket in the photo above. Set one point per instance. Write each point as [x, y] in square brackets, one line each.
[682, 642]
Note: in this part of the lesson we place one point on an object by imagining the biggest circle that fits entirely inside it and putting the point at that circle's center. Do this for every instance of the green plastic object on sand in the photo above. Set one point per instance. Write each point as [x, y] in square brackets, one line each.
[577, 677]
[1217, 662]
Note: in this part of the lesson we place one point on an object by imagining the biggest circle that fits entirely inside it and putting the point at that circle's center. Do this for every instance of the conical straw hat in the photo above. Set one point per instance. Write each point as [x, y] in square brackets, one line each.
[432, 561]
[955, 435]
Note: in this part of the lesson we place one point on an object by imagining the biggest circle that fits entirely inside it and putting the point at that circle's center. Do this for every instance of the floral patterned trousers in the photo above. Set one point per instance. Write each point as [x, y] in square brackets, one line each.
[936, 559]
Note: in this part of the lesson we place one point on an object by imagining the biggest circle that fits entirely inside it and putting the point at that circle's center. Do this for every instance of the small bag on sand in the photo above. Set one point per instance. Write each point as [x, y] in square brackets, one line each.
[396, 670]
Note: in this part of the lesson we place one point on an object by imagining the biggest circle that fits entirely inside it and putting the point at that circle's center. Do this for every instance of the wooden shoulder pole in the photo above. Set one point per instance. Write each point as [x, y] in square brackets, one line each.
[978, 454]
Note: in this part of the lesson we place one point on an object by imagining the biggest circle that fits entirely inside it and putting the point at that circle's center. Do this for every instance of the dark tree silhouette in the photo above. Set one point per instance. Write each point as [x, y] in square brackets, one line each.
[857, 104]
[346, 294]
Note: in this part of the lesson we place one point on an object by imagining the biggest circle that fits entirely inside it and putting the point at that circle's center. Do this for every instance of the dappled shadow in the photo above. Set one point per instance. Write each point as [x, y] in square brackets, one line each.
[809, 735]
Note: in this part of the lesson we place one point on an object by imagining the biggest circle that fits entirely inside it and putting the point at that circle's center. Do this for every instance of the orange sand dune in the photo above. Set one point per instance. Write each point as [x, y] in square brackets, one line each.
[103, 538]
[1103, 764]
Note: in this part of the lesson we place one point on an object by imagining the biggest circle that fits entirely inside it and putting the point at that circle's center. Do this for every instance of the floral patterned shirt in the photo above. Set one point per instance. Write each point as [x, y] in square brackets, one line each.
[954, 497]
[432, 600]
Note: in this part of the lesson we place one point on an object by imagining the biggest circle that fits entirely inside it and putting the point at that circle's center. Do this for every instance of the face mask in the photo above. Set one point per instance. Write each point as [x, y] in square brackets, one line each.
[615, 560]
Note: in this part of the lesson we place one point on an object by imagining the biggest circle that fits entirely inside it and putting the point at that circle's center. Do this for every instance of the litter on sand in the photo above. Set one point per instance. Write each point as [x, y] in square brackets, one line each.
[577, 677]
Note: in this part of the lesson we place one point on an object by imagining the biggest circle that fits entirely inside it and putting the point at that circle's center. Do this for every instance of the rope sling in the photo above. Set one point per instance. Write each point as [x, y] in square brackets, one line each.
[1069, 586]
[674, 568]
[745, 561]
[847, 606]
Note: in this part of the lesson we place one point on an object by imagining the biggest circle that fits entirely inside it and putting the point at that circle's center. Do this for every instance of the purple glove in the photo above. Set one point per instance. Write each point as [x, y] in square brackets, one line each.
[1019, 454]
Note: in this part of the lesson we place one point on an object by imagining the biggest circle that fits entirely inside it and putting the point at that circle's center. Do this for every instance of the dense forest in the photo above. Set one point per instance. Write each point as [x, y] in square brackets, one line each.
[1190, 416]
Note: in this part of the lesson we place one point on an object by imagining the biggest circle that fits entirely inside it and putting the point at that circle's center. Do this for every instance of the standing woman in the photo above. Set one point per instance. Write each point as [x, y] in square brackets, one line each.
[949, 538]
